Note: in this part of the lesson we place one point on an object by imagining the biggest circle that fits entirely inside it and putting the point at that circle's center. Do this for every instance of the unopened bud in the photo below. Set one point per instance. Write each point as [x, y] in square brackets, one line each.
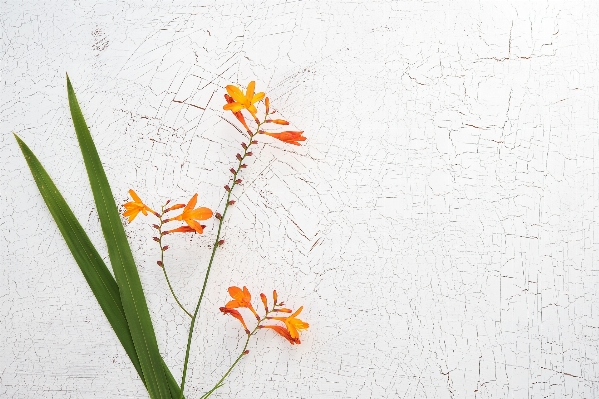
[231, 202]
[243, 166]
[218, 216]
[238, 181]
[157, 215]
[221, 242]
[227, 188]
[244, 145]
[254, 141]
[248, 333]
[246, 352]
[232, 170]
[159, 263]
[165, 248]
[167, 202]
[249, 154]
[156, 226]
[238, 156]
[156, 239]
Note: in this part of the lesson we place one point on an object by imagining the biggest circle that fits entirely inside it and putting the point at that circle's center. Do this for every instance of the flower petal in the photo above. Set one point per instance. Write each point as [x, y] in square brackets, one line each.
[235, 93]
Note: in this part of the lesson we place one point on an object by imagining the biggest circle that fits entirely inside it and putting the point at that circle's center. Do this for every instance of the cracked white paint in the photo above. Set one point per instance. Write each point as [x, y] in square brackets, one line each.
[439, 225]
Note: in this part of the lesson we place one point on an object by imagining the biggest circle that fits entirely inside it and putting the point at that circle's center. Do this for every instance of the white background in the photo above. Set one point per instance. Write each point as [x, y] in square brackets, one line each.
[439, 225]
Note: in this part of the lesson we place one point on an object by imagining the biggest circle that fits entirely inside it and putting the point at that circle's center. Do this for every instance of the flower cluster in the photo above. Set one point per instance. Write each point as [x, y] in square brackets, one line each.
[190, 215]
[242, 299]
[238, 101]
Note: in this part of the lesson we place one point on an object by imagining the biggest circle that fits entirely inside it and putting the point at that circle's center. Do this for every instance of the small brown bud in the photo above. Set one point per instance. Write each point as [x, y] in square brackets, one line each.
[247, 351]
[157, 215]
[232, 170]
[156, 239]
[254, 141]
[249, 154]
[167, 202]
[218, 216]
[231, 202]
[227, 188]
[165, 248]
[159, 263]
[244, 145]
[238, 181]
[156, 226]
[248, 333]
[243, 166]
[221, 242]
[238, 156]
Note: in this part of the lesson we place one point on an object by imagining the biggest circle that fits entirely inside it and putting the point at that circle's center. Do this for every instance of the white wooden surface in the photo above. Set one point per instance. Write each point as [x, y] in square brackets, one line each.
[439, 226]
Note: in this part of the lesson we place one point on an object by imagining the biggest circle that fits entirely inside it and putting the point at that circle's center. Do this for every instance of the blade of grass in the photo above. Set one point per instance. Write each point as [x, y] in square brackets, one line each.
[92, 266]
[121, 258]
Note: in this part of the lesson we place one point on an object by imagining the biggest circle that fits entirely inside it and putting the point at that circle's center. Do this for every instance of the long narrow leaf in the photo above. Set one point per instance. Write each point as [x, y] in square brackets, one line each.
[121, 258]
[92, 266]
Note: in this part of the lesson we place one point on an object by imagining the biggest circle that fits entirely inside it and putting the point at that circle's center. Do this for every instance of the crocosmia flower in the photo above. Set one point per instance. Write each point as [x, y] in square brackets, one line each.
[243, 101]
[287, 137]
[283, 332]
[133, 208]
[293, 324]
[241, 299]
[191, 215]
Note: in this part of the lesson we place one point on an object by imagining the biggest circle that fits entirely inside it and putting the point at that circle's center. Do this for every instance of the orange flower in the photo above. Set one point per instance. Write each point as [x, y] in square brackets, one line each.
[293, 324]
[287, 137]
[282, 331]
[237, 315]
[241, 299]
[133, 208]
[190, 215]
[237, 114]
[243, 101]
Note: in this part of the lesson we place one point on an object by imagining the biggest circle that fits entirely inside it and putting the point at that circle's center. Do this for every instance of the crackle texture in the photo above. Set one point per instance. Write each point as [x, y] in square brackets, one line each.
[438, 225]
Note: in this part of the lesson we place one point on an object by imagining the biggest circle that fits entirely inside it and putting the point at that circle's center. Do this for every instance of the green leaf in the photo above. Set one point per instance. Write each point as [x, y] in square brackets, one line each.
[92, 266]
[121, 258]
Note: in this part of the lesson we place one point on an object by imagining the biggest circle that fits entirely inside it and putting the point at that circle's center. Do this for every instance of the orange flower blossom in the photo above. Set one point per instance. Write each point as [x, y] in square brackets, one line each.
[282, 331]
[235, 314]
[287, 136]
[133, 208]
[241, 299]
[293, 324]
[190, 215]
[243, 101]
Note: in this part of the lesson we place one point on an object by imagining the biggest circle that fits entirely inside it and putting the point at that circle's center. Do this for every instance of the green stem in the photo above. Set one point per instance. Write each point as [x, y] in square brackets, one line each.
[160, 235]
[216, 245]
[247, 341]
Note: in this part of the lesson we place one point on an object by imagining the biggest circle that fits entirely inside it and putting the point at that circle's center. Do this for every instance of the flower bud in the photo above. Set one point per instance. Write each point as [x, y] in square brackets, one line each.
[249, 154]
[232, 170]
[247, 351]
[218, 216]
[231, 202]
[227, 188]
[159, 263]
[254, 141]
[165, 248]
[238, 181]
[243, 166]
[221, 242]
[156, 239]
[244, 145]
[238, 156]
[156, 226]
